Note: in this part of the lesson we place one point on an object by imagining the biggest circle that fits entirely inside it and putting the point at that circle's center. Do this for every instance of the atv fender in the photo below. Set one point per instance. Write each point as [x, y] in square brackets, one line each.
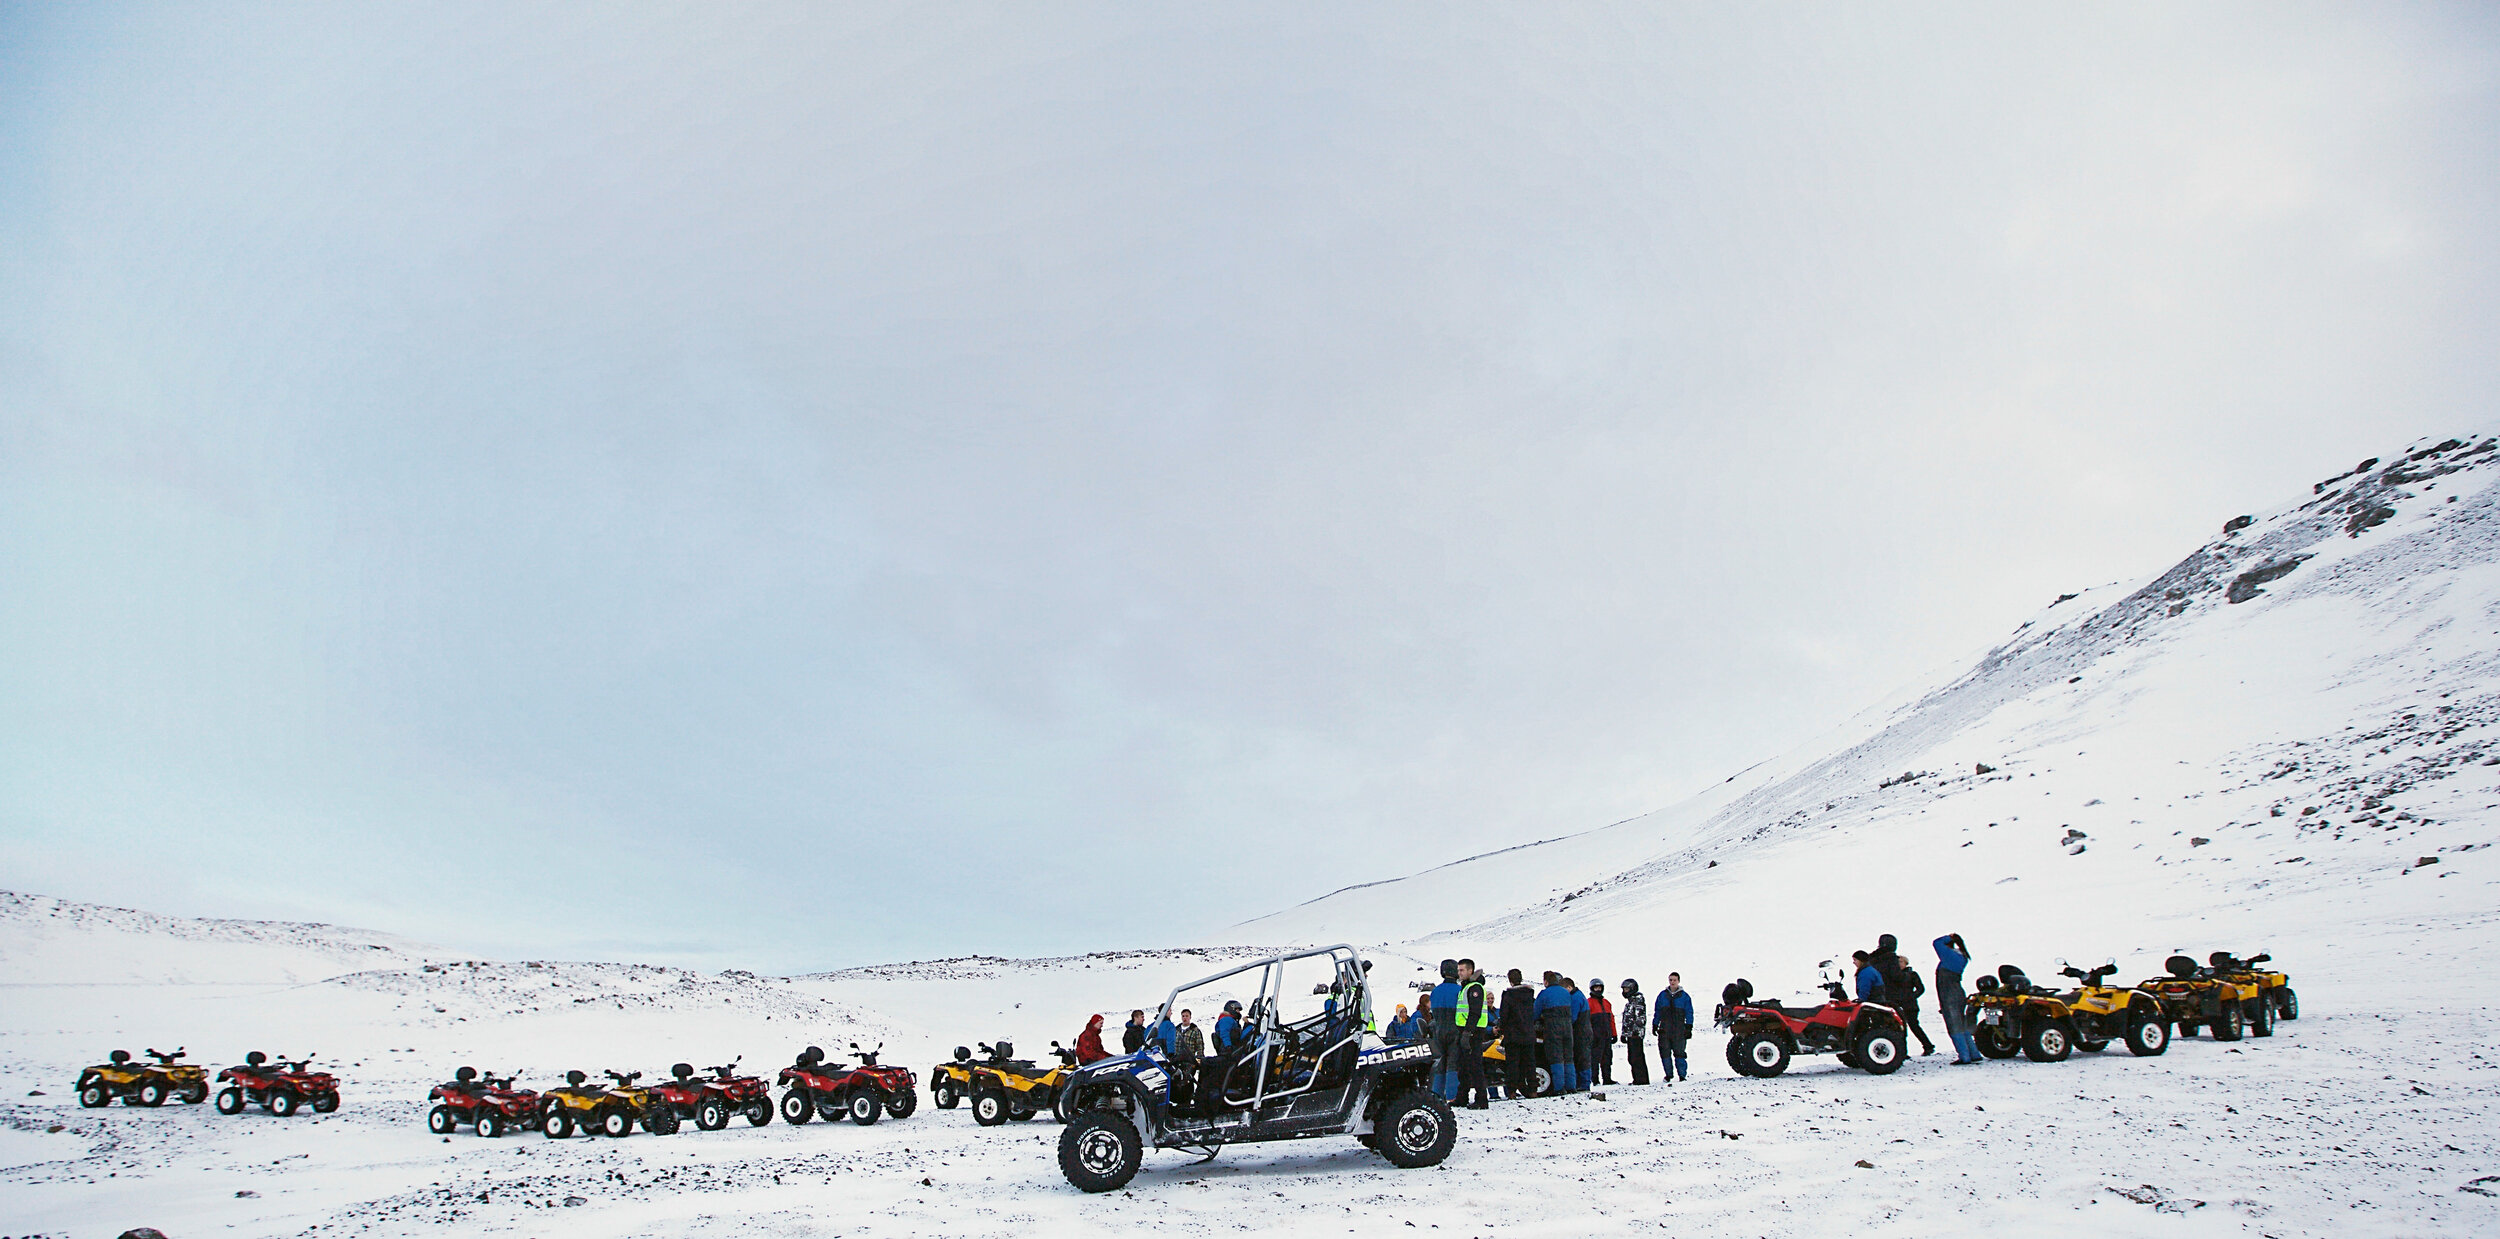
[1130, 1095]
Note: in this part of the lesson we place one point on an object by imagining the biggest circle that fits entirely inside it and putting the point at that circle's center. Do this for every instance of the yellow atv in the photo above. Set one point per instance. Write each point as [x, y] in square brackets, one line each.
[1006, 1087]
[1497, 1071]
[2195, 998]
[2104, 1013]
[2275, 998]
[2009, 1015]
[614, 1110]
[143, 1084]
[950, 1082]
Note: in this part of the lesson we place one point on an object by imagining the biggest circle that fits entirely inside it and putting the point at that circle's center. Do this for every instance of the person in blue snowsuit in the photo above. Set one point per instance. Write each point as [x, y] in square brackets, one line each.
[1951, 958]
[1581, 1075]
[1164, 1033]
[1444, 1032]
[1674, 1027]
[1870, 979]
[1553, 1018]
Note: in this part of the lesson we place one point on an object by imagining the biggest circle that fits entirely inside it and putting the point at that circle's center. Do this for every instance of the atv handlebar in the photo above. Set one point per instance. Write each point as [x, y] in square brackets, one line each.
[624, 1079]
[162, 1058]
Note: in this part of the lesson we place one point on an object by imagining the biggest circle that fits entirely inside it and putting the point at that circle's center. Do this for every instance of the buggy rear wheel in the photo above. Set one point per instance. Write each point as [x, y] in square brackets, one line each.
[900, 1103]
[943, 1093]
[1100, 1151]
[558, 1123]
[1416, 1129]
[95, 1094]
[1764, 1055]
[866, 1106]
[1994, 1042]
[324, 1103]
[439, 1120]
[759, 1112]
[1540, 1081]
[2049, 1042]
[712, 1115]
[797, 1107]
[195, 1094]
[617, 1123]
[2147, 1036]
[2226, 1026]
[2260, 1016]
[229, 1101]
[2286, 1004]
[151, 1094]
[1879, 1050]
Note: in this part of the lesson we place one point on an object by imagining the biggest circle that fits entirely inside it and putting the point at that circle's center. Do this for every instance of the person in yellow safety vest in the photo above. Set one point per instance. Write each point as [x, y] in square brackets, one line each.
[1473, 1017]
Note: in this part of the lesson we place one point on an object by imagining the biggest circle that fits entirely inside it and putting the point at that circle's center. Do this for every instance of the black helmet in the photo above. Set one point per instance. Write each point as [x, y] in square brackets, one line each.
[1629, 986]
[575, 1078]
[465, 1074]
[682, 1070]
[1232, 1007]
[1449, 970]
[2180, 966]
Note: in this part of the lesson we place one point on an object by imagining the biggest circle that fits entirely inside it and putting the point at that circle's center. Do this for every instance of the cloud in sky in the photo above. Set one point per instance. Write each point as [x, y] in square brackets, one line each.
[799, 485]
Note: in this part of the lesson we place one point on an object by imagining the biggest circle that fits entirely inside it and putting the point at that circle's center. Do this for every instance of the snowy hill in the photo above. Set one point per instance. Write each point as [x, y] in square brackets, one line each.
[2285, 741]
[2291, 719]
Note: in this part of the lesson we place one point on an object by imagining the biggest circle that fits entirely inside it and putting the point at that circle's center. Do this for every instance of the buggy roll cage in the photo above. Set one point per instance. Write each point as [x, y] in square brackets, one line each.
[1262, 1033]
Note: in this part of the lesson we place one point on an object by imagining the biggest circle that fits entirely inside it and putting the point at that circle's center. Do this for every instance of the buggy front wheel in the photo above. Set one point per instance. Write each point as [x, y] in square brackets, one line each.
[2049, 1042]
[229, 1101]
[1994, 1043]
[2260, 1016]
[1416, 1129]
[2147, 1037]
[866, 1106]
[900, 1103]
[989, 1107]
[2286, 1004]
[1100, 1151]
[759, 1112]
[797, 1107]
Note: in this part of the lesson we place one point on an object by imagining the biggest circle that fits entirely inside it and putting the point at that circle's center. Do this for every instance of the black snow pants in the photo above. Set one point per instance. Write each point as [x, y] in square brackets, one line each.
[1471, 1067]
[1638, 1058]
[1518, 1062]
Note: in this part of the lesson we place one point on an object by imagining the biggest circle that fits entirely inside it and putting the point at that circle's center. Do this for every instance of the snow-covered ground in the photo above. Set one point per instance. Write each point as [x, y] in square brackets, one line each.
[2312, 769]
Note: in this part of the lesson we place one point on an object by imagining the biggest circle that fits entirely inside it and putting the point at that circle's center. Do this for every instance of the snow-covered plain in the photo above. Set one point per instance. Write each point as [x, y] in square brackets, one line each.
[2312, 769]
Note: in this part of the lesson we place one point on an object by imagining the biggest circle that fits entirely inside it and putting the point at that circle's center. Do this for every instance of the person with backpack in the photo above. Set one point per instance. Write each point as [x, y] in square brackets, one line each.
[1518, 1035]
[1674, 1026]
[1633, 1016]
[1601, 1032]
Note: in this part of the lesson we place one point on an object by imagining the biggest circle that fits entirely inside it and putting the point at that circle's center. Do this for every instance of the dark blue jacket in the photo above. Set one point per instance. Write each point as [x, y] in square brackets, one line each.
[1870, 984]
[1674, 1006]
[1553, 998]
[1404, 1028]
[1444, 1004]
[1164, 1033]
[1579, 1005]
[1227, 1032]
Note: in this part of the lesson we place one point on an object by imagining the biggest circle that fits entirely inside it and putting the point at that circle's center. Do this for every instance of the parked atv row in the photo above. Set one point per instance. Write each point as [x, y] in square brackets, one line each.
[1001, 1086]
[280, 1088]
[2228, 997]
[490, 1105]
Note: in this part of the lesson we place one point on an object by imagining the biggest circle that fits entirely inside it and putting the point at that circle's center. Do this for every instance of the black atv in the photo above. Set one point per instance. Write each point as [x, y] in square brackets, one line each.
[1324, 1074]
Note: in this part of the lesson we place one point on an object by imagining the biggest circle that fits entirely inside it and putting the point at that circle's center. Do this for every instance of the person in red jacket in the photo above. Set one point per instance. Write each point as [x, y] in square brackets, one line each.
[1089, 1043]
[1601, 1032]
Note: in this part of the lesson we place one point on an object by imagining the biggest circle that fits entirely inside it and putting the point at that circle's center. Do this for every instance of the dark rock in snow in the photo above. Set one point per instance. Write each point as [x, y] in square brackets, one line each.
[2244, 586]
[2236, 524]
[2368, 516]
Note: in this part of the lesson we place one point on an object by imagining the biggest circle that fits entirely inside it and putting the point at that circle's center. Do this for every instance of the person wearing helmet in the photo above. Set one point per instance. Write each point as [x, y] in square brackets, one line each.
[1632, 1017]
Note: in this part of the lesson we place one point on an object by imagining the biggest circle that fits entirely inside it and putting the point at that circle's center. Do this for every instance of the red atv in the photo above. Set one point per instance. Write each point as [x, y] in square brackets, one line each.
[279, 1087]
[709, 1101]
[487, 1105]
[1763, 1036]
[819, 1089]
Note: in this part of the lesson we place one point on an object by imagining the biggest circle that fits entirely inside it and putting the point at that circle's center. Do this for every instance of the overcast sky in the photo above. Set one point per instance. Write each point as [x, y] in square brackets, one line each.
[789, 486]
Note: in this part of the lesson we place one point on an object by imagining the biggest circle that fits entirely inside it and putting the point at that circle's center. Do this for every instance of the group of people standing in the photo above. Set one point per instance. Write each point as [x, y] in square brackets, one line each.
[1883, 977]
[1572, 1031]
